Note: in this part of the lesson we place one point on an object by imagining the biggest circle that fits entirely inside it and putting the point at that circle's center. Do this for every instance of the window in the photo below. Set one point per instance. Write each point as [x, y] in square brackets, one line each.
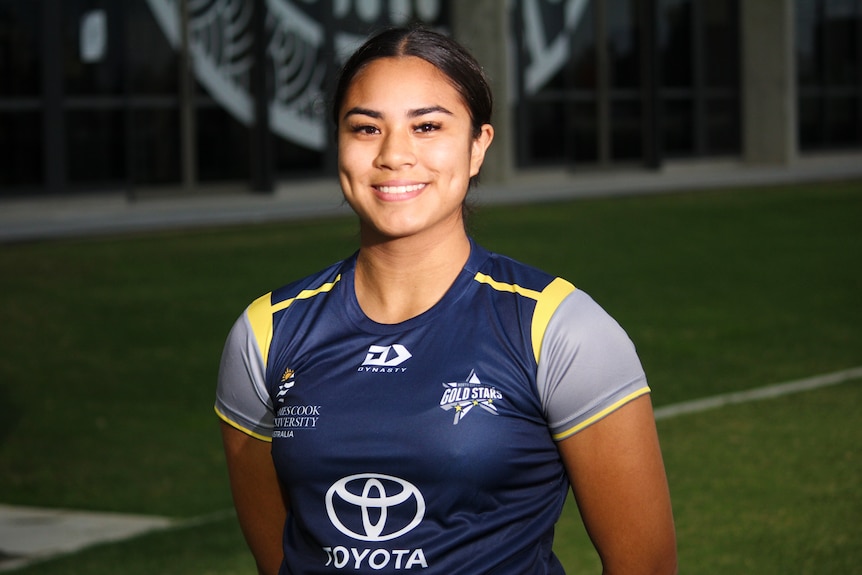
[592, 85]
[829, 73]
[21, 124]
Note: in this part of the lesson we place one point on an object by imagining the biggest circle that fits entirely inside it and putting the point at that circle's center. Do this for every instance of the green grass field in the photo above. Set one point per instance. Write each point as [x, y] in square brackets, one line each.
[110, 349]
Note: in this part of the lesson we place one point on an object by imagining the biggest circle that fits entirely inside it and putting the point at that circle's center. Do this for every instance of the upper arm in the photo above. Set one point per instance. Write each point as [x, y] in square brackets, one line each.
[588, 366]
[260, 502]
[618, 478]
[244, 406]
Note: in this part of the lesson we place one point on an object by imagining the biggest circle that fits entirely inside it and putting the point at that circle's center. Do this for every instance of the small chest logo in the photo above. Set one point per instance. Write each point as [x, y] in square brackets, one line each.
[288, 380]
[463, 396]
[385, 359]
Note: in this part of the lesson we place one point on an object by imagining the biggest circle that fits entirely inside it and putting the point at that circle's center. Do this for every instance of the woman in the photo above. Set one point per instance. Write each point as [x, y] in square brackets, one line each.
[426, 404]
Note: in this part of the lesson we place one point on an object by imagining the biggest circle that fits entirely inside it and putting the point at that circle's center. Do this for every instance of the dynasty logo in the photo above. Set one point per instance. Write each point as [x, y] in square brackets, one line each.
[385, 359]
[463, 396]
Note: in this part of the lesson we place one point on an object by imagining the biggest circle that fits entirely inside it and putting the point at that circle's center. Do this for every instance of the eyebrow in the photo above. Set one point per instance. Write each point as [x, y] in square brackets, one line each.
[429, 110]
[418, 112]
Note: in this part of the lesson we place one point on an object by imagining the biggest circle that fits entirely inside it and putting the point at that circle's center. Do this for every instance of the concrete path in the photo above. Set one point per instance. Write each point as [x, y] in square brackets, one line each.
[46, 217]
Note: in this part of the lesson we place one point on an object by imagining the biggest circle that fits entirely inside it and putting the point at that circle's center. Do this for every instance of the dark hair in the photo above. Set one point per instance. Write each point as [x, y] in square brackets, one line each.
[439, 50]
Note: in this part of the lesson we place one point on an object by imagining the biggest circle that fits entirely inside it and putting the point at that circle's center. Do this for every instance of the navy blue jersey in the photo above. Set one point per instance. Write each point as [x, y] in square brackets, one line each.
[429, 444]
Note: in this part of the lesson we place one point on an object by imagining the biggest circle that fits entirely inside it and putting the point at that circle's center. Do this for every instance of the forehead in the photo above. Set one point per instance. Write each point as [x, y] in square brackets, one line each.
[405, 80]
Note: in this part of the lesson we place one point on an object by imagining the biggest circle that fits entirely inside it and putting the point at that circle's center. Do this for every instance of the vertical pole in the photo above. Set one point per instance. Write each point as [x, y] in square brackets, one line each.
[187, 104]
[522, 146]
[651, 80]
[53, 121]
[769, 86]
[121, 17]
[698, 73]
[603, 84]
[857, 32]
[261, 139]
[333, 65]
[858, 86]
[484, 26]
[822, 67]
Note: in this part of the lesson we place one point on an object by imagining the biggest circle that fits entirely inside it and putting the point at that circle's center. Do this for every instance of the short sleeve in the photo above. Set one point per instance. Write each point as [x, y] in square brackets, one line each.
[587, 367]
[241, 396]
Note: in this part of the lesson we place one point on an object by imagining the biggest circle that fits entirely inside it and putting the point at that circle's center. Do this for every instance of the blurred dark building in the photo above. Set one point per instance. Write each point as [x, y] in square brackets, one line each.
[132, 94]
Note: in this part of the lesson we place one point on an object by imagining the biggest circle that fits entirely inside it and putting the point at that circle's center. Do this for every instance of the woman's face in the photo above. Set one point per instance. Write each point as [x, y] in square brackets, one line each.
[405, 149]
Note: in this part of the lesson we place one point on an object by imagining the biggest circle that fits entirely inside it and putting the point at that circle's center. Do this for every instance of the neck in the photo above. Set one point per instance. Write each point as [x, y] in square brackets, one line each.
[398, 279]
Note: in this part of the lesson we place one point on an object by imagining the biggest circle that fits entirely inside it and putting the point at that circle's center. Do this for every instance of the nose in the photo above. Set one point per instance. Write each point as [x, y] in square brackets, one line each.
[396, 151]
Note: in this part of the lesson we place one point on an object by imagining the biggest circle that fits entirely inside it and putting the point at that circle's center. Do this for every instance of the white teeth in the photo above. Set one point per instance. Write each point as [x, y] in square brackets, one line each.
[400, 189]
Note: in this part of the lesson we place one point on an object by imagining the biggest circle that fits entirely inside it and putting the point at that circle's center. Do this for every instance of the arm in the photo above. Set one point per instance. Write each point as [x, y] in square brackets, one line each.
[260, 503]
[618, 478]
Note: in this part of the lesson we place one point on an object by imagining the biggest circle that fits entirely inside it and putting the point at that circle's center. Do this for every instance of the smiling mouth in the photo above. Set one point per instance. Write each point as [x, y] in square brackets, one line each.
[398, 190]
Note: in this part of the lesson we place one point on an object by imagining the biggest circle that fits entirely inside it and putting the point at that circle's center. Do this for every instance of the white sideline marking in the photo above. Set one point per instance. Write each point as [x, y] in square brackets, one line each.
[768, 392]
[32, 534]
[29, 535]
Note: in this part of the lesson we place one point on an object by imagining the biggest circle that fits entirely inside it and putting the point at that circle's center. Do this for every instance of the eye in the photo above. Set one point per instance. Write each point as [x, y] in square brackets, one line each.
[364, 129]
[427, 127]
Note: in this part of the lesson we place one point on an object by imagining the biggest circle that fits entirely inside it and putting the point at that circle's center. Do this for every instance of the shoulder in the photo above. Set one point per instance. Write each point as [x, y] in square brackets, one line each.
[499, 270]
[260, 314]
[588, 366]
[579, 315]
[281, 298]
[505, 274]
[581, 325]
[320, 282]
[542, 292]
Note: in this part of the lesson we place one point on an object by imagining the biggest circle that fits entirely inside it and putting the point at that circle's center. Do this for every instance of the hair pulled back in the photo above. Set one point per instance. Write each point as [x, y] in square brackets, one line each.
[448, 56]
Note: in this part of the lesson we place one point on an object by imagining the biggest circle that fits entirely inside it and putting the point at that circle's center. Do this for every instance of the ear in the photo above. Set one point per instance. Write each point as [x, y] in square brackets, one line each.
[479, 147]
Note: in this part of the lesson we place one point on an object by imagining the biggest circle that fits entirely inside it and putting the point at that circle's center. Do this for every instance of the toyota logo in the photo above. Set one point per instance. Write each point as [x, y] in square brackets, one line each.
[359, 506]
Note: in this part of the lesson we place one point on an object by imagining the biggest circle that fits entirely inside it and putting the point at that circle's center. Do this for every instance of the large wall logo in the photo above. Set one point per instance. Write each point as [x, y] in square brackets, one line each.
[374, 507]
[298, 41]
[297, 44]
[548, 29]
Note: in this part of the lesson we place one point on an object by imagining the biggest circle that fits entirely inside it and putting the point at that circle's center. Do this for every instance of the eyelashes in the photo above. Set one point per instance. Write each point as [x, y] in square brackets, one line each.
[364, 130]
[426, 127]
[370, 130]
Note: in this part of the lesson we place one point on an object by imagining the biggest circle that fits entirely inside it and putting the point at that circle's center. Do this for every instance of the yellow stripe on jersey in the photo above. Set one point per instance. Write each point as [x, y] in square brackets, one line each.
[547, 302]
[261, 310]
[606, 411]
[260, 317]
[500, 286]
[241, 428]
[552, 297]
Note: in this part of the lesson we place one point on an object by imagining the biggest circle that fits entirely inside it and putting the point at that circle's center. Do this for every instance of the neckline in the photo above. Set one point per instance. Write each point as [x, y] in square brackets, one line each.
[455, 292]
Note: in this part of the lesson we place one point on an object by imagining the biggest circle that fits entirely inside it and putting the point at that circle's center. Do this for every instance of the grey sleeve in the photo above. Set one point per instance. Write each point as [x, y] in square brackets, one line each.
[241, 396]
[588, 366]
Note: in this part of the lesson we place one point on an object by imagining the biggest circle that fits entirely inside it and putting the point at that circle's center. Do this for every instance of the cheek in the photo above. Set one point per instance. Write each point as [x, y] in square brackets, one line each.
[351, 158]
[453, 158]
